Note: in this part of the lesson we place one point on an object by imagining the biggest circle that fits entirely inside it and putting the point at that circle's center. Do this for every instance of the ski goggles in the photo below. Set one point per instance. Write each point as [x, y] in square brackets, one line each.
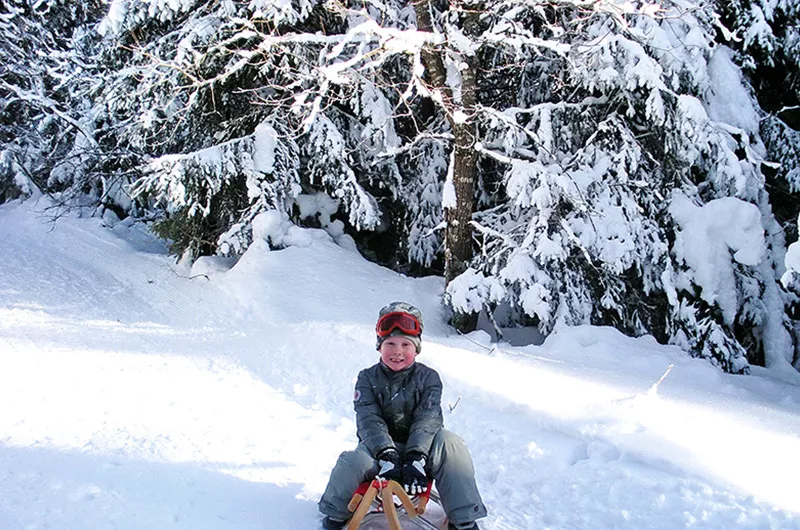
[405, 322]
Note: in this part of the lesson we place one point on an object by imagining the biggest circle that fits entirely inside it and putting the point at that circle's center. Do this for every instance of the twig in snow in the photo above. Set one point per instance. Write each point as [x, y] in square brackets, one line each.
[192, 277]
[490, 350]
[653, 389]
[454, 405]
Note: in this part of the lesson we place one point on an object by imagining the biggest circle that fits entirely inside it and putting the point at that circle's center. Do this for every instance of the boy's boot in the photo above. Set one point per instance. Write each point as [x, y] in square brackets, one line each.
[332, 524]
[463, 526]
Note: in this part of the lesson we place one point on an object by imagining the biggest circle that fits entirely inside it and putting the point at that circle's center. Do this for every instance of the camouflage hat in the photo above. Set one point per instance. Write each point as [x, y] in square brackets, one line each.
[402, 307]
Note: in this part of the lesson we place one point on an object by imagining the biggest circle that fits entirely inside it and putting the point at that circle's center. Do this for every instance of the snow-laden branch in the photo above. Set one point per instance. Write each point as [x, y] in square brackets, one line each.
[488, 231]
[47, 103]
[397, 151]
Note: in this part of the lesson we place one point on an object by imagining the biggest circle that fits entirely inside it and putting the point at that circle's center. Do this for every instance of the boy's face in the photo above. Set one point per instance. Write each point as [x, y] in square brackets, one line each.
[398, 352]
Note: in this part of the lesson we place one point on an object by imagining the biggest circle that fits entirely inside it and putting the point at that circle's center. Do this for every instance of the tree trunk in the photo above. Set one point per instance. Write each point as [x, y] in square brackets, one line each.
[458, 234]
[460, 114]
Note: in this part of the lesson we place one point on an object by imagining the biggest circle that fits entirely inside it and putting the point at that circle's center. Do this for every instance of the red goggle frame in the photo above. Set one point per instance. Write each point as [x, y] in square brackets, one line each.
[405, 322]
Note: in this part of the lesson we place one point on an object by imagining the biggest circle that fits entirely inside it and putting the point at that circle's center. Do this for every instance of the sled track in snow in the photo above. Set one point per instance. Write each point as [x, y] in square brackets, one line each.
[163, 292]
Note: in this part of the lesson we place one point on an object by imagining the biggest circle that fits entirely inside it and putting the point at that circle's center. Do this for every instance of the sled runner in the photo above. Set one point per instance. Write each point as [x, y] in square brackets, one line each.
[382, 498]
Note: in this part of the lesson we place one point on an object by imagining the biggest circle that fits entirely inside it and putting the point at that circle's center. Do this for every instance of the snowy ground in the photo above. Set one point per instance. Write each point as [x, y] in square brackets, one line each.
[136, 398]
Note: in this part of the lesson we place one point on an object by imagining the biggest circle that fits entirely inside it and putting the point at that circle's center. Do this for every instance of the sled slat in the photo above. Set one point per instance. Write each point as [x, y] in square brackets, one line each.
[419, 509]
[388, 506]
[363, 507]
[408, 505]
[377, 498]
[354, 502]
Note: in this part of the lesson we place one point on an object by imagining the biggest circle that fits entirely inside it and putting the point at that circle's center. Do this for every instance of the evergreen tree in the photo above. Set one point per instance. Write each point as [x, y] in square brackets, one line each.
[610, 162]
[766, 36]
[237, 109]
[46, 135]
[562, 162]
[767, 33]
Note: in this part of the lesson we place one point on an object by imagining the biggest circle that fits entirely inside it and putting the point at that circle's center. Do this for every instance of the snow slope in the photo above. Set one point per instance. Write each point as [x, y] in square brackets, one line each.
[139, 395]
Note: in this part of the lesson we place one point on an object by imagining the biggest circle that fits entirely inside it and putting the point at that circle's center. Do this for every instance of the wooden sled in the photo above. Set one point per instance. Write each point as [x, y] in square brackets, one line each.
[389, 499]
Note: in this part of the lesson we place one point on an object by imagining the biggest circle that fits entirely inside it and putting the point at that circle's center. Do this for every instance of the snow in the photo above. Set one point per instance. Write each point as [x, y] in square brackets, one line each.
[709, 236]
[729, 101]
[264, 148]
[137, 396]
[271, 226]
[791, 277]
[468, 291]
[449, 197]
[792, 259]
[114, 20]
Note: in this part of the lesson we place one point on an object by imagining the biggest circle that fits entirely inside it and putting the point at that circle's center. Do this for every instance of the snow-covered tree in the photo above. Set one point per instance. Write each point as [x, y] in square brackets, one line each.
[791, 281]
[623, 129]
[767, 33]
[46, 137]
[766, 36]
[562, 162]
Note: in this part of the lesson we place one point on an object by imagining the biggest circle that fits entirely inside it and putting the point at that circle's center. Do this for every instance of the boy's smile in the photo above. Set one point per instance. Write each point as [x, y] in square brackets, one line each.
[398, 352]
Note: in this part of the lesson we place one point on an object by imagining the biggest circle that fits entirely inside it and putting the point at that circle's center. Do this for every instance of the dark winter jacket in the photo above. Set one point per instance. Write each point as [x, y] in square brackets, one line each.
[398, 407]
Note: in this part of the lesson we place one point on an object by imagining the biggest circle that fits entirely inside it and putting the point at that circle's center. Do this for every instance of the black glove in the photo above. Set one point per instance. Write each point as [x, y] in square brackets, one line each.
[389, 462]
[415, 480]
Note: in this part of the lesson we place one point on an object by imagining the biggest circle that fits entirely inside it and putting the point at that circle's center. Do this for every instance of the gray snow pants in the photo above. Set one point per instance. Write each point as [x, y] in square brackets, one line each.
[449, 463]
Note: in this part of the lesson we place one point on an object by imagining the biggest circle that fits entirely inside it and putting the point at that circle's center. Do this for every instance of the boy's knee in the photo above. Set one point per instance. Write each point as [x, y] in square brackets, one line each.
[352, 459]
[357, 460]
[448, 440]
[447, 447]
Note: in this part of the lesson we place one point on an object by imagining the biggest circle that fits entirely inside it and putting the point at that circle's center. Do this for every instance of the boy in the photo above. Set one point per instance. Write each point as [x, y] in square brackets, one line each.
[400, 430]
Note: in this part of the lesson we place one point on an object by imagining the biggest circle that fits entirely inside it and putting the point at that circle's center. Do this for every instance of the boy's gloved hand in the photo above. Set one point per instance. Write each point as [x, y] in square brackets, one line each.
[389, 462]
[415, 481]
